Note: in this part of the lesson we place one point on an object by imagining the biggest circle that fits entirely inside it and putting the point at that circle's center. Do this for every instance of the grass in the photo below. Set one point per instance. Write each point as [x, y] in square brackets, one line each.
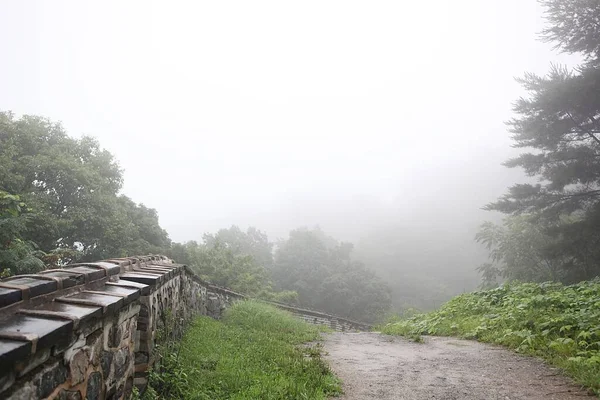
[256, 352]
[549, 320]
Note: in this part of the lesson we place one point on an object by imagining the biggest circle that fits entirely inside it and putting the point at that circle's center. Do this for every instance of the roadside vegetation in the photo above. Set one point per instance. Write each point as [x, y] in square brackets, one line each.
[255, 352]
[549, 320]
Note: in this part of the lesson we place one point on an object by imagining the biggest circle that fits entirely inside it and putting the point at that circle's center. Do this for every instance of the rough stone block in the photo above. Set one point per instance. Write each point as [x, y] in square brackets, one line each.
[78, 366]
[94, 346]
[141, 358]
[94, 386]
[69, 395]
[26, 391]
[6, 380]
[106, 362]
[114, 335]
[53, 376]
[121, 362]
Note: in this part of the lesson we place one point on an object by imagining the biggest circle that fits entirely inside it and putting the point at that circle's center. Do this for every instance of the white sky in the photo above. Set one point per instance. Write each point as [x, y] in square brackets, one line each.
[282, 113]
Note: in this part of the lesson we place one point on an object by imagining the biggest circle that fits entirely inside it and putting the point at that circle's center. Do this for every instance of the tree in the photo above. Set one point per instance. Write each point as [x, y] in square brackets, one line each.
[326, 277]
[252, 242]
[118, 227]
[63, 179]
[73, 185]
[218, 264]
[17, 256]
[559, 121]
[301, 265]
[521, 250]
[573, 27]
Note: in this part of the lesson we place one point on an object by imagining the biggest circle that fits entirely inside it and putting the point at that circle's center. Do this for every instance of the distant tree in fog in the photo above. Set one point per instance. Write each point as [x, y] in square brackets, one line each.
[326, 277]
[519, 250]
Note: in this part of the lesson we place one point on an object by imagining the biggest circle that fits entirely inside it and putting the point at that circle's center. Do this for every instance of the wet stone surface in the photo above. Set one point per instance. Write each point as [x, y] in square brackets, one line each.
[80, 312]
[91, 274]
[10, 351]
[36, 287]
[145, 289]
[69, 395]
[68, 279]
[146, 279]
[50, 379]
[50, 332]
[121, 362]
[9, 296]
[94, 386]
[110, 303]
[129, 294]
[106, 362]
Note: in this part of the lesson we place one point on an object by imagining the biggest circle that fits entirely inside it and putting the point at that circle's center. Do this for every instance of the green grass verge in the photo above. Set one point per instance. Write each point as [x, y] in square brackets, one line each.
[549, 320]
[255, 352]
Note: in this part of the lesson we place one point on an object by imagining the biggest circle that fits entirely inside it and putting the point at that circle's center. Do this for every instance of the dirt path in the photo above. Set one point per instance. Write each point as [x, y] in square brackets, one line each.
[375, 366]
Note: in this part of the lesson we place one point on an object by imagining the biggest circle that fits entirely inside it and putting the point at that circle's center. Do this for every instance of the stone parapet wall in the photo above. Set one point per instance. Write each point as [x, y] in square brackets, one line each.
[88, 331]
[320, 318]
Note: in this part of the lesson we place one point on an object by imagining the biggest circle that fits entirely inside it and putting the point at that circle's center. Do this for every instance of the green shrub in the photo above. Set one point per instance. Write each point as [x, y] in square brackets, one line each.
[556, 322]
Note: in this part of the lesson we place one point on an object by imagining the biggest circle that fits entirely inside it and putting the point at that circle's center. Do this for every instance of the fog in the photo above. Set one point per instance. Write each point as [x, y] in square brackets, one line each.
[377, 121]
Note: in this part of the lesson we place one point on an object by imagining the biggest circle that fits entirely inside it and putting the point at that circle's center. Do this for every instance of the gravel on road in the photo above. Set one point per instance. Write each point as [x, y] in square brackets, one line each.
[376, 366]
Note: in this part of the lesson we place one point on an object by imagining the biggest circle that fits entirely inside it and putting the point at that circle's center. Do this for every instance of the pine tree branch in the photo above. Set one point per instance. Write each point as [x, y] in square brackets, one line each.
[578, 125]
[590, 133]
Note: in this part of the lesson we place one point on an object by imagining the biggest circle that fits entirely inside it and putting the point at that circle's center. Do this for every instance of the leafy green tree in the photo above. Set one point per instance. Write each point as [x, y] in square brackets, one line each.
[63, 179]
[72, 184]
[218, 264]
[252, 242]
[559, 121]
[118, 227]
[17, 256]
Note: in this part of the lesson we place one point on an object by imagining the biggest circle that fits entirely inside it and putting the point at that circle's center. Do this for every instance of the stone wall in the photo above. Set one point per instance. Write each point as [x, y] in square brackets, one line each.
[320, 318]
[87, 331]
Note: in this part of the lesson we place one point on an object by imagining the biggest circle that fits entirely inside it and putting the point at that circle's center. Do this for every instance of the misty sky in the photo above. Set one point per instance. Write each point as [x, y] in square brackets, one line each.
[279, 114]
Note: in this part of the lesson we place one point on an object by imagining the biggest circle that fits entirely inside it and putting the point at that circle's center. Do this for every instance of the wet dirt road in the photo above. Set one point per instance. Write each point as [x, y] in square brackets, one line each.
[375, 366]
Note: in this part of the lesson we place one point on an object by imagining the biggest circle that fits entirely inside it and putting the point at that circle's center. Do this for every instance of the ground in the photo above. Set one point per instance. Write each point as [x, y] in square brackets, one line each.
[376, 366]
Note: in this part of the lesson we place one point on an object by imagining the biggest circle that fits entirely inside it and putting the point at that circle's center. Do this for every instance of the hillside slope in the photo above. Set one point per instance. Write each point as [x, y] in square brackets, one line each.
[558, 323]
